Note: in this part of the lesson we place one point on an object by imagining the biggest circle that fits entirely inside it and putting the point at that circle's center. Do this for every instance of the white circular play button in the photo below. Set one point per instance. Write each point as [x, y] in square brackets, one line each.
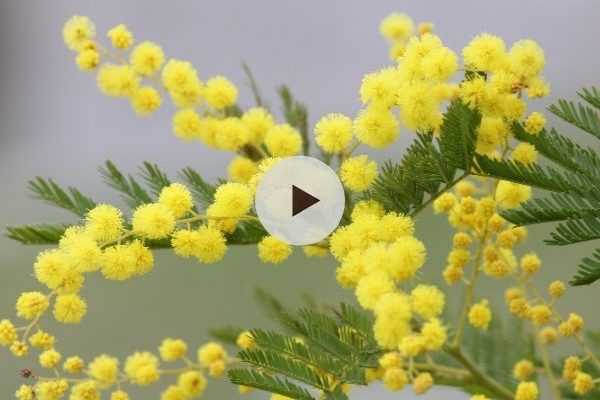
[300, 200]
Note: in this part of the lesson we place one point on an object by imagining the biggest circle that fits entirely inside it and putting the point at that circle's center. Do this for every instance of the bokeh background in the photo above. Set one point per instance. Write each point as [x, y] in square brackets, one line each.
[55, 123]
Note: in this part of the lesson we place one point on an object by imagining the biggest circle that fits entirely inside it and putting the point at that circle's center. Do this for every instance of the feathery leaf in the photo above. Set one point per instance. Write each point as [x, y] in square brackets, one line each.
[70, 199]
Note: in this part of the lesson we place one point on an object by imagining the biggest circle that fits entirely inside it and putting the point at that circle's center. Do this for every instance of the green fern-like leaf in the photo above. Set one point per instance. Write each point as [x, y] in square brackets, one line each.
[36, 234]
[429, 167]
[546, 178]
[583, 117]
[247, 232]
[277, 363]
[226, 334]
[203, 191]
[155, 179]
[562, 151]
[588, 271]
[269, 383]
[70, 199]
[295, 114]
[361, 321]
[131, 191]
[557, 207]
[591, 96]
[258, 98]
[458, 135]
[290, 347]
[575, 231]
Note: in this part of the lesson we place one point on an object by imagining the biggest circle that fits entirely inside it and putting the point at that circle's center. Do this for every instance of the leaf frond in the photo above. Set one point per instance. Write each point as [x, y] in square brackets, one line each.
[155, 179]
[36, 234]
[268, 383]
[131, 191]
[70, 199]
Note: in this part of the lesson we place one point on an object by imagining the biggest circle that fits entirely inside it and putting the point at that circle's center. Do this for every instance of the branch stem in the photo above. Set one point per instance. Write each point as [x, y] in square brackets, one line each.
[480, 377]
[448, 186]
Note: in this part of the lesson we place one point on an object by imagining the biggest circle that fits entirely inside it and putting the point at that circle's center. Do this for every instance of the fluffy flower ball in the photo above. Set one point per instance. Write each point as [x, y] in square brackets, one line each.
[77, 31]
[241, 169]
[172, 349]
[220, 92]
[274, 251]
[177, 198]
[147, 58]
[31, 305]
[480, 315]
[283, 141]
[69, 308]
[427, 301]
[233, 199]
[154, 221]
[145, 101]
[333, 133]
[358, 173]
[396, 27]
[207, 244]
[117, 80]
[376, 126]
[104, 369]
[258, 121]
[392, 320]
[104, 222]
[142, 368]
[120, 37]
[511, 195]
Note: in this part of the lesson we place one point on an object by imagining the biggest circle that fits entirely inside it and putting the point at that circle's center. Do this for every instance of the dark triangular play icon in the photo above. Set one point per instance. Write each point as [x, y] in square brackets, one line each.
[301, 200]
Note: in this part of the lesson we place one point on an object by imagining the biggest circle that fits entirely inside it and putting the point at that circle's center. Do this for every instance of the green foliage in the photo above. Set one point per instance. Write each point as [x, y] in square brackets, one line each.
[258, 99]
[506, 333]
[155, 179]
[134, 192]
[269, 383]
[36, 234]
[338, 343]
[571, 174]
[131, 191]
[226, 334]
[203, 192]
[296, 114]
[70, 199]
[322, 349]
[429, 166]
[247, 232]
[578, 114]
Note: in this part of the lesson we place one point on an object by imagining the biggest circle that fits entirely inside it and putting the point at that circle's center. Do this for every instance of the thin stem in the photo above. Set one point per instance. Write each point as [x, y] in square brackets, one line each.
[556, 394]
[184, 221]
[470, 291]
[480, 377]
[442, 370]
[434, 197]
[587, 350]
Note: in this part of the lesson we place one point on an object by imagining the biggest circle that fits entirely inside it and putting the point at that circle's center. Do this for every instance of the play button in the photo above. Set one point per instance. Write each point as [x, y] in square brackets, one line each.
[300, 200]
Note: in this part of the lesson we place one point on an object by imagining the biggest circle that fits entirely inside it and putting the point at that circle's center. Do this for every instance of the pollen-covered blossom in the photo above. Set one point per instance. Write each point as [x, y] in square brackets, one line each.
[427, 301]
[527, 391]
[283, 141]
[358, 173]
[480, 315]
[220, 92]
[272, 250]
[120, 37]
[379, 255]
[333, 133]
[241, 169]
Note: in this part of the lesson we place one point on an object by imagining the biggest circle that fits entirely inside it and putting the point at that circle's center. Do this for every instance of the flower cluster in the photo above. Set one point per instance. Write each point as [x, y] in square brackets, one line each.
[378, 253]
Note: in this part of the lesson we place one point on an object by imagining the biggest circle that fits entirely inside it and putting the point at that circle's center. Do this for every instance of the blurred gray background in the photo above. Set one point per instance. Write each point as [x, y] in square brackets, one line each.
[55, 123]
